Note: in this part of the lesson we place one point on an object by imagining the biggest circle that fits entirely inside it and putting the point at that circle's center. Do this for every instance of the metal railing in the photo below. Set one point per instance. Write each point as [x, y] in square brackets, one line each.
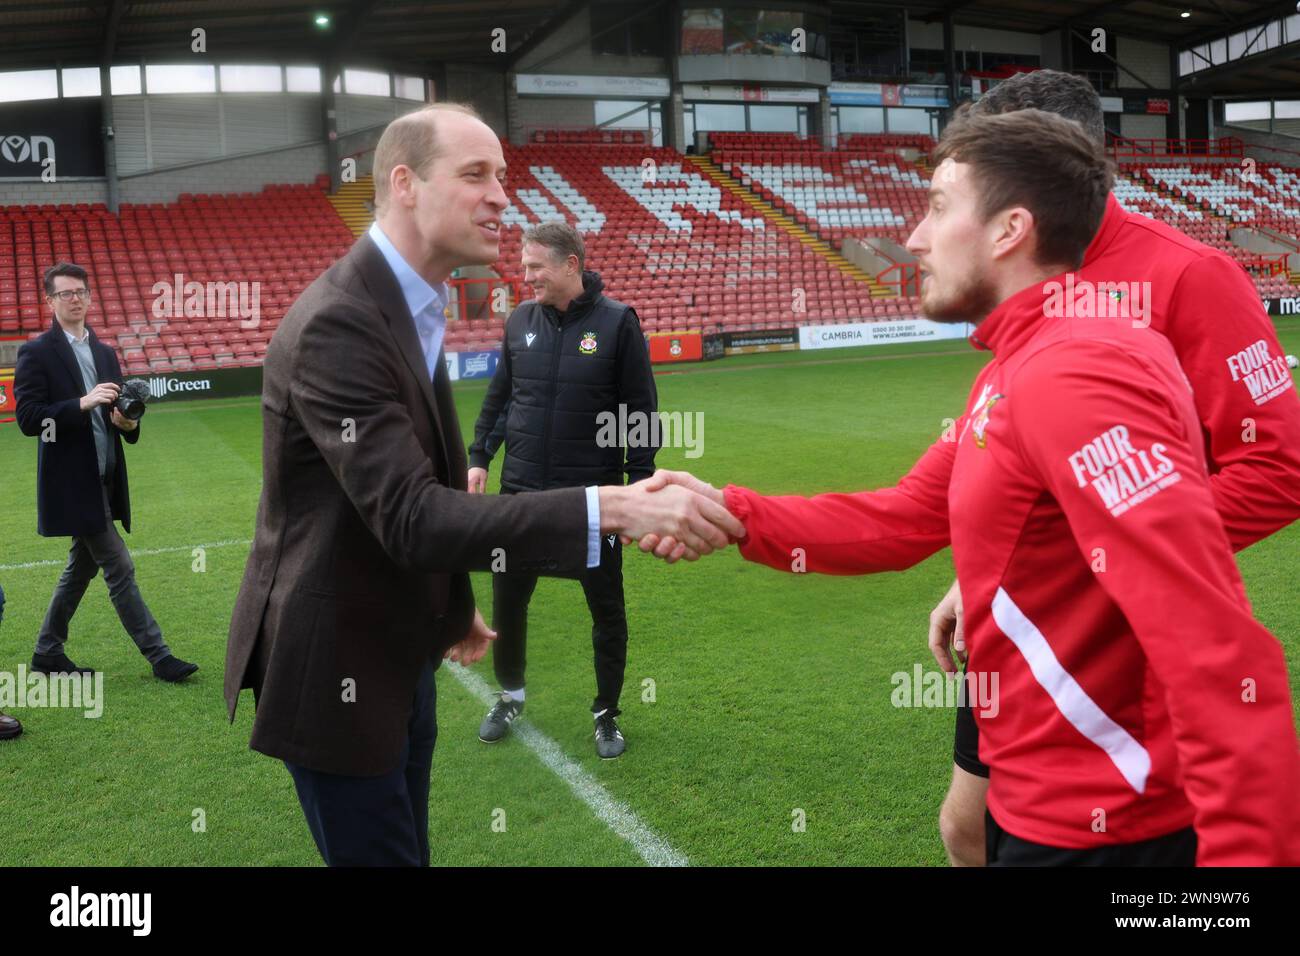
[1226, 146]
[479, 299]
[908, 277]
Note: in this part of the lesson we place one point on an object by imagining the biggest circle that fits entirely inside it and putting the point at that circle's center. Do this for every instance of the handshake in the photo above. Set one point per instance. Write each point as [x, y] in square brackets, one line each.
[672, 514]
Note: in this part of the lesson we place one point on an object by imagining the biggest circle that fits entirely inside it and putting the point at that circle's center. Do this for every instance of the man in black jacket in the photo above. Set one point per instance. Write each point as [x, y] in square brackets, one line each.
[66, 386]
[573, 366]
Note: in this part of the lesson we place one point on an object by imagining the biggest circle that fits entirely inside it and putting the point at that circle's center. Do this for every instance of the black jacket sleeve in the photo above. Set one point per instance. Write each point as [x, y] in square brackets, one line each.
[498, 433]
[32, 396]
[490, 429]
[636, 389]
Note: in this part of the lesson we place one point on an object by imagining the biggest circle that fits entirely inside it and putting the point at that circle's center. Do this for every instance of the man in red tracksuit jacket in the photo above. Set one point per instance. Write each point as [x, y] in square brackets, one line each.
[1208, 308]
[1084, 532]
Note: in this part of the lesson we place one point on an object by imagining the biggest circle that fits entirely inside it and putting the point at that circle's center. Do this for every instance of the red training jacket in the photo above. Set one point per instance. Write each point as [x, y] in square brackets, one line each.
[1207, 307]
[1137, 694]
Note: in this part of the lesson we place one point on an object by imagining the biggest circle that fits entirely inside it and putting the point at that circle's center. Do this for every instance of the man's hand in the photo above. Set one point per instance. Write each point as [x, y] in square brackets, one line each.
[477, 481]
[474, 645]
[124, 423]
[105, 393]
[663, 477]
[667, 547]
[948, 628]
[672, 519]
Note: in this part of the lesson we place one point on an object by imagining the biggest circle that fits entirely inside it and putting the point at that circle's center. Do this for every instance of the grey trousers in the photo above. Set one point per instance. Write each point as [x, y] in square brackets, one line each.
[87, 556]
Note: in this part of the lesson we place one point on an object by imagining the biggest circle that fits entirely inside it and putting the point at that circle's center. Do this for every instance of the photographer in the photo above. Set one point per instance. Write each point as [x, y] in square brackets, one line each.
[67, 384]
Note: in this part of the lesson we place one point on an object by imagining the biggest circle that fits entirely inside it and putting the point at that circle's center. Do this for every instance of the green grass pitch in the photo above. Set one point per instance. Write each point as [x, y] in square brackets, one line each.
[771, 691]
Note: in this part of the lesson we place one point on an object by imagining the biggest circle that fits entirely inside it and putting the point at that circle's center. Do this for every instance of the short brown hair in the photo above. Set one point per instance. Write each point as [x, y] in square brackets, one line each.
[69, 269]
[561, 238]
[411, 140]
[1042, 162]
[1051, 91]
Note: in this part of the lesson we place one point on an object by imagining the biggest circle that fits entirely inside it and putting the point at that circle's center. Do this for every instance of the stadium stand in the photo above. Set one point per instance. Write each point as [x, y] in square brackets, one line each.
[862, 189]
[686, 251]
[280, 238]
[740, 243]
[1208, 197]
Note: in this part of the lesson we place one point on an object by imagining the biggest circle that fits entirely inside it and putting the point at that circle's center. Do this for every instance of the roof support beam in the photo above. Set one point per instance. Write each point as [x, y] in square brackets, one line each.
[545, 32]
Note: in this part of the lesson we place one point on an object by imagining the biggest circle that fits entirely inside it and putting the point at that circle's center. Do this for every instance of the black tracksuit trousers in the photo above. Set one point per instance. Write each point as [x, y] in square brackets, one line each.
[603, 586]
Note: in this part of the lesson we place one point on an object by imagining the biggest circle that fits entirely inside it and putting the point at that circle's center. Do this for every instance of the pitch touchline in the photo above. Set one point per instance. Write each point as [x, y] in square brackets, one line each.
[615, 814]
[135, 554]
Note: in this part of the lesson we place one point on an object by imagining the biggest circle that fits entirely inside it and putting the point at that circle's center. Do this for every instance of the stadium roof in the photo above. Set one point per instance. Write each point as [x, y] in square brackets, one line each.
[1158, 20]
[417, 34]
[397, 34]
[1273, 72]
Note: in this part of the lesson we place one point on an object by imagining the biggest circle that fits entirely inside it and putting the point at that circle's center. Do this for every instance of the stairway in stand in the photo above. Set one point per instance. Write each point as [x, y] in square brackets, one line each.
[350, 203]
[779, 219]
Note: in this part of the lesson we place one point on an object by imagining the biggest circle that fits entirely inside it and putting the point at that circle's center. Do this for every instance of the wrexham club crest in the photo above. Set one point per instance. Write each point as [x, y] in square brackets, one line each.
[588, 344]
[980, 424]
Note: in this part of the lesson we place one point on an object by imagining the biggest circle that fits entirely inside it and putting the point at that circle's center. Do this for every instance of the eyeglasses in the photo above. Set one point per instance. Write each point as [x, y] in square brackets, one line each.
[67, 295]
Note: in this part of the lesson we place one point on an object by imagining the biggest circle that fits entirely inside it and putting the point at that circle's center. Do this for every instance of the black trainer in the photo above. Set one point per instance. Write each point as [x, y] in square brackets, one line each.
[497, 722]
[173, 669]
[57, 664]
[609, 740]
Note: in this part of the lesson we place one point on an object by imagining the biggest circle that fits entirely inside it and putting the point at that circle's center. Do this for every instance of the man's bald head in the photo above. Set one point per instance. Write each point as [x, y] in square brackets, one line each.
[412, 140]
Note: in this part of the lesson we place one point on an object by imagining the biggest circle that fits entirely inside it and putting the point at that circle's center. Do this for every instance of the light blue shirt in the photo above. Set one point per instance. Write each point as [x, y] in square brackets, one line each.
[86, 361]
[427, 304]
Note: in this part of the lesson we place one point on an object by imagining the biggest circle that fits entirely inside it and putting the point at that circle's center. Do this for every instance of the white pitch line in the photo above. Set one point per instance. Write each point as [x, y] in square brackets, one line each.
[615, 814]
[135, 554]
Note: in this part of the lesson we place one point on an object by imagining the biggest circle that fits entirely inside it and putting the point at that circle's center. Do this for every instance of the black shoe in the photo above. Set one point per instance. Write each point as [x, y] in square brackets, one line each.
[9, 727]
[173, 669]
[609, 740]
[497, 723]
[57, 664]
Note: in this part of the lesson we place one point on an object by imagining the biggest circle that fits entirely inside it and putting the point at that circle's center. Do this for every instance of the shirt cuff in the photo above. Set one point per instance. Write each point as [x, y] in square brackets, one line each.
[593, 527]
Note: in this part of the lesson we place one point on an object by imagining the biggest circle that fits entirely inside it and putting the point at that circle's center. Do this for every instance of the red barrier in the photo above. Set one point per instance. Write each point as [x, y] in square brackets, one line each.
[907, 277]
[486, 298]
[7, 404]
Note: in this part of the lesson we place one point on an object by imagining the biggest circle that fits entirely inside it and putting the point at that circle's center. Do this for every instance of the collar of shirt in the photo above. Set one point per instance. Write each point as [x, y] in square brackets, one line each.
[425, 301]
[85, 335]
[1017, 320]
[1111, 222]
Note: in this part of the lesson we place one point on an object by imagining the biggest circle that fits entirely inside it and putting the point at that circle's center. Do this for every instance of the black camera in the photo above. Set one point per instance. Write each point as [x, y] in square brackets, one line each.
[133, 398]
